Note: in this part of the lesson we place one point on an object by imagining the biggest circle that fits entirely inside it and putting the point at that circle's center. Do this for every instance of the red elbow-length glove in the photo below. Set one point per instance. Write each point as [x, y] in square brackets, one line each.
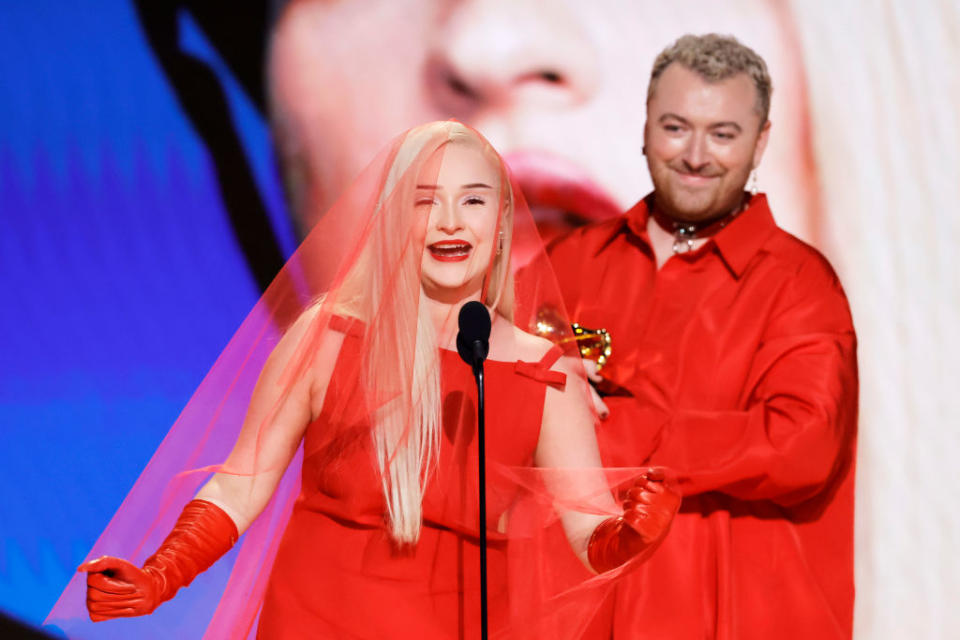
[117, 588]
[647, 515]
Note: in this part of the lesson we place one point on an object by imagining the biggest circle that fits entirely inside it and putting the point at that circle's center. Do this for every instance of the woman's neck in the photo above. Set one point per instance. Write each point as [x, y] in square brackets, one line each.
[443, 315]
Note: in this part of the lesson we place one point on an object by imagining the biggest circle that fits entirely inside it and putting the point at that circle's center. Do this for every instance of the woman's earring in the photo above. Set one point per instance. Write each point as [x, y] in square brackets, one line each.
[754, 189]
[500, 243]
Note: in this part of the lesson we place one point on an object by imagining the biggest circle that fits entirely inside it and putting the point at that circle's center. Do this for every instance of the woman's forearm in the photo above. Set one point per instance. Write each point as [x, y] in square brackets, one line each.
[242, 497]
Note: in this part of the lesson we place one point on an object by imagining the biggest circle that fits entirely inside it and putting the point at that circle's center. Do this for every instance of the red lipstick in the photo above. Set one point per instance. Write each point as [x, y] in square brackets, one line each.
[450, 250]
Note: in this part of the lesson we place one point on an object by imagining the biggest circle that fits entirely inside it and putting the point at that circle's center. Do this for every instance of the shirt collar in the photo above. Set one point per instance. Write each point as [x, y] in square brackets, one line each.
[737, 242]
[740, 240]
[637, 217]
[632, 221]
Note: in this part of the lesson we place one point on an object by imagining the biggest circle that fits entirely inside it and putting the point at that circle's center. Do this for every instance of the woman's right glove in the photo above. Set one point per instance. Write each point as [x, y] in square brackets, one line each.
[116, 588]
[647, 515]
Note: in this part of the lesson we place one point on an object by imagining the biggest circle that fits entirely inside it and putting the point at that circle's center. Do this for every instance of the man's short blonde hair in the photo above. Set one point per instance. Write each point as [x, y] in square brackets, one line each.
[714, 58]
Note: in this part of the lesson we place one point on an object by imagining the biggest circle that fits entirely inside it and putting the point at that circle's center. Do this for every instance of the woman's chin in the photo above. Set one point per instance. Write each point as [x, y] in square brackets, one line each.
[449, 290]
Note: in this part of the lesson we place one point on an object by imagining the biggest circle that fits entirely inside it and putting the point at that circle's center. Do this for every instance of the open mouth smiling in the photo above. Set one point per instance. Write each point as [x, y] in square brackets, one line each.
[450, 250]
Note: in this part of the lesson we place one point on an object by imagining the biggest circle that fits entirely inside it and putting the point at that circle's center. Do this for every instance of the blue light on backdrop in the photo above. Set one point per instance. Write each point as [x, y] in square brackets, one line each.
[121, 276]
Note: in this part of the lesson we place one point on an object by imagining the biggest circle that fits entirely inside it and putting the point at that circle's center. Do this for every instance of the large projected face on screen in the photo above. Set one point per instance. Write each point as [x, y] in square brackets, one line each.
[558, 87]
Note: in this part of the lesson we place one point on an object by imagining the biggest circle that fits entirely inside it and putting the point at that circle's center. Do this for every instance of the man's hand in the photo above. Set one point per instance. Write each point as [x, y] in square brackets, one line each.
[595, 378]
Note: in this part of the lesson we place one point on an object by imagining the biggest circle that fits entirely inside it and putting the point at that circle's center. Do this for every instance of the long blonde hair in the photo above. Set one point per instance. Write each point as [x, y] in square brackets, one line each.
[401, 371]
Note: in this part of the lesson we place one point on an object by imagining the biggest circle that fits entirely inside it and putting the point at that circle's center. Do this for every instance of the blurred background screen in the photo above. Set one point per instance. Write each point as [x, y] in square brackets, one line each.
[160, 159]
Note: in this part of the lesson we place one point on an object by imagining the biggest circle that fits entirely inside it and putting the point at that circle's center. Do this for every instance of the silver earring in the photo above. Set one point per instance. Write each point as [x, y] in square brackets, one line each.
[500, 243]
[754, 189]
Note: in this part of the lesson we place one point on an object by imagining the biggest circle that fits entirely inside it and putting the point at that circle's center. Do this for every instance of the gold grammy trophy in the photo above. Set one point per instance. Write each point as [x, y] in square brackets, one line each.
[594, 344]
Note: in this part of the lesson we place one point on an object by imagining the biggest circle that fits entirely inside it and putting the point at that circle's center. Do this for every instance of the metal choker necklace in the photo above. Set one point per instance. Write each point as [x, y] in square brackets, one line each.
[684, 233]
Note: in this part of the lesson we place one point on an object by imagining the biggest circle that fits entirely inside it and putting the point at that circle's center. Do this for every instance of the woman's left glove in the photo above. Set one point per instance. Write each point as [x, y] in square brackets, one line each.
[647, 514]
[117, 588]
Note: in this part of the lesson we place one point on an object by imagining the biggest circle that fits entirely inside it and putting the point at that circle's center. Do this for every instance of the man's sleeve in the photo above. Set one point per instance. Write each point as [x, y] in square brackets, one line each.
[564, 259]
[571, 259]
[799, 421]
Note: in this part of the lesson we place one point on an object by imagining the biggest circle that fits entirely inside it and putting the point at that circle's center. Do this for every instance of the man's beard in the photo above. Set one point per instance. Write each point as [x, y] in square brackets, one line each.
[696, 205]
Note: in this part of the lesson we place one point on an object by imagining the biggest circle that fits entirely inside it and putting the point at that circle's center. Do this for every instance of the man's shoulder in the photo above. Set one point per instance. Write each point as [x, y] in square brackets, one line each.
[803, 279]
[797, 257]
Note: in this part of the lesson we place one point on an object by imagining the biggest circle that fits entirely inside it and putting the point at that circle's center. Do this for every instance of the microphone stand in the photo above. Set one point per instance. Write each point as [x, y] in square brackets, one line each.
[473, 346]
[482, 463]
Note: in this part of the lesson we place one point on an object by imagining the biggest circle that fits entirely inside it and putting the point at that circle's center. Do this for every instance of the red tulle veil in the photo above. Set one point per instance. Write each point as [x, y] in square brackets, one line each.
[362, 261]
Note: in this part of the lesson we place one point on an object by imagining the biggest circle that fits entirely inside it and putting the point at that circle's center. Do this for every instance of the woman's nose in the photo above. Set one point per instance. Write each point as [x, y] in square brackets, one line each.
[503, 54]
[447, 218]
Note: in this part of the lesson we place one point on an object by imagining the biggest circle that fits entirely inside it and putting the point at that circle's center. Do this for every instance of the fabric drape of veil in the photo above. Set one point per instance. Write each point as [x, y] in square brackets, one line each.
[362, 260]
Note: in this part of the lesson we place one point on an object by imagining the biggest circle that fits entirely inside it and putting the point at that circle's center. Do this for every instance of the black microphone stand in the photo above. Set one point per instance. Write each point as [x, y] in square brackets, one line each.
[482, 462]
[473, 346]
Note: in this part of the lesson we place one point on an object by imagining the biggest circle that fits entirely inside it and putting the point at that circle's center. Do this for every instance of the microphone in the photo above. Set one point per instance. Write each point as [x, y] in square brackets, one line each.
[473, 340]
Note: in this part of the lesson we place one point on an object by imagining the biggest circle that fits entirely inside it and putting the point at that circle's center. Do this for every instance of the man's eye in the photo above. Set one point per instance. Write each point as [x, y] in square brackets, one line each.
[672, 128]
[724, 135]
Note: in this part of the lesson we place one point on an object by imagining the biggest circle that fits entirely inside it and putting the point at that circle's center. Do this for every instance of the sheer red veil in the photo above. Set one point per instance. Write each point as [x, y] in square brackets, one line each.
[362, 262]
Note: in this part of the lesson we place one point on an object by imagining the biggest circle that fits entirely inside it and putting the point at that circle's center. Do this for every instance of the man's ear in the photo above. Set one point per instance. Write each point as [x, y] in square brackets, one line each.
[761, 145]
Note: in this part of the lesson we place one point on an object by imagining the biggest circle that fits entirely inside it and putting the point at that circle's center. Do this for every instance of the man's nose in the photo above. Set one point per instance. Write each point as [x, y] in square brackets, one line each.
[696, 156]
[492, 56]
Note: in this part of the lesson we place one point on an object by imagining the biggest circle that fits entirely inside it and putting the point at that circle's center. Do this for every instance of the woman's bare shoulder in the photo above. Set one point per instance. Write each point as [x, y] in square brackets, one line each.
[314, 331]
[526, 346]
[338, 318]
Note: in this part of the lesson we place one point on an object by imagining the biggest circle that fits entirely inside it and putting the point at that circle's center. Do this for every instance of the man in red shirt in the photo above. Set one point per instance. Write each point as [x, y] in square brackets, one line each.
[734, 365]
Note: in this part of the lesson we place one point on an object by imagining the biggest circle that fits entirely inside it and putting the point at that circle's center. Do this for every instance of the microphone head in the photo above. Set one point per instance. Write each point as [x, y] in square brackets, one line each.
[474, 322]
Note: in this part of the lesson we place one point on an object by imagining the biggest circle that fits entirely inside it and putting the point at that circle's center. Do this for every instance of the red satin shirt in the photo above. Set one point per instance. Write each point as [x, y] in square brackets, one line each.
[734, 366]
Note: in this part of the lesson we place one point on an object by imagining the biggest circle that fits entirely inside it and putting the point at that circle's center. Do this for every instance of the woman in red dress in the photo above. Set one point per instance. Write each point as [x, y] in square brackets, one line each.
[382, 540]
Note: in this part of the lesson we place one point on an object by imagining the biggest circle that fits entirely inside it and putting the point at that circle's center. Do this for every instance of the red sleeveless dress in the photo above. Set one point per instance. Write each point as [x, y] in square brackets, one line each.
[337, 573]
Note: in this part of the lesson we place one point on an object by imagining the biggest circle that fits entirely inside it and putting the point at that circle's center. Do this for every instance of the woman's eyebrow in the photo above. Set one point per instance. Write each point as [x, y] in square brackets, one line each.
[472, 185]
